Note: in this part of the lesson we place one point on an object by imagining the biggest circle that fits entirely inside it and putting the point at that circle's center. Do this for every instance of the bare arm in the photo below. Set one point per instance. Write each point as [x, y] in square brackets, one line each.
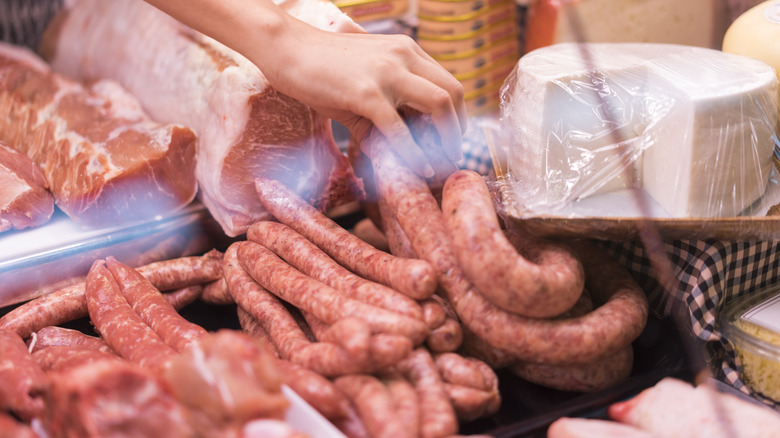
[357, 79]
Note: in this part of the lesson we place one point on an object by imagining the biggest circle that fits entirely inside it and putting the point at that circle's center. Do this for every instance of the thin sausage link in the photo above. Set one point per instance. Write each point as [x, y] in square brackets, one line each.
[289, 340]
[472, 403]
[437, 415]
[154, 309]
[304, 255]
[119, 325]
[399, 244]
[433, 313]
[22, 382]
[412, 277]
[58, 358]
[466, 371]
[374, 404]
[263, 306]
[181, 298]
[319, 299]
[253, 328]
[217, 293]
[54, 336]
[318, 391]
[405, 400]
[68, 304]
[446, 337]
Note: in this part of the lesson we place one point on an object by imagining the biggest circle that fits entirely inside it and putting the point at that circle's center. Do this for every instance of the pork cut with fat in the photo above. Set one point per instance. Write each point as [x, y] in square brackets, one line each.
[25, 200]
[104, 160]
[245, 128]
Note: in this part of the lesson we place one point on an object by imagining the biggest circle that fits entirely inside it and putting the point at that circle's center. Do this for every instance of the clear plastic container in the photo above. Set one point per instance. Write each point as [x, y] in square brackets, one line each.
[752, 324]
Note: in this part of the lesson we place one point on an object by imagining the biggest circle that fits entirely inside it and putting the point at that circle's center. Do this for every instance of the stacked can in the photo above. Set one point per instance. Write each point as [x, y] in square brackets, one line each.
[475, 40]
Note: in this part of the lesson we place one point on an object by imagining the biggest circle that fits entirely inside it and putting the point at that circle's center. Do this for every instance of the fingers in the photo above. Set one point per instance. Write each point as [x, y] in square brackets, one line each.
[428, 98]
[389, 122]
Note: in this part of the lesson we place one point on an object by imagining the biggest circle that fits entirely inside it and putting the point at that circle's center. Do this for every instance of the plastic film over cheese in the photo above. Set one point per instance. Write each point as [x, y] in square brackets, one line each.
[691, 129]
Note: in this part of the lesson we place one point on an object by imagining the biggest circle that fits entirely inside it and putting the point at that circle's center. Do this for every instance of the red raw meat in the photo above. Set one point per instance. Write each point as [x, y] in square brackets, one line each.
[245, 128]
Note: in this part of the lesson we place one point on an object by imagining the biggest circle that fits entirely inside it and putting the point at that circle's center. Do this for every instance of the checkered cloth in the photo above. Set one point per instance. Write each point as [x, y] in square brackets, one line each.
[710, 273]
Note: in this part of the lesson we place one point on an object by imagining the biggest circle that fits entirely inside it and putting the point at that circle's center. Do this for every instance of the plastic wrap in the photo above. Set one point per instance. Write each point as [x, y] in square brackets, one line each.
[40, 260]
[662, 131]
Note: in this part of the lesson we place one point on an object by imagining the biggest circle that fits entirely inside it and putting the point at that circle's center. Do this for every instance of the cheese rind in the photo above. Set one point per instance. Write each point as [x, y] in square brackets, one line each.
[696, 126]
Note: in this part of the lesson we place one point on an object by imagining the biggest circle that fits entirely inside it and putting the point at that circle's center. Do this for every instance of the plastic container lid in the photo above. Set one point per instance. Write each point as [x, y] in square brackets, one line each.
[752, 324]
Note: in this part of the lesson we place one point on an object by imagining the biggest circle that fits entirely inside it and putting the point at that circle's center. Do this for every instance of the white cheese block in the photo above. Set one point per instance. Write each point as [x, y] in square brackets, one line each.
[690, 22]
[697, 125]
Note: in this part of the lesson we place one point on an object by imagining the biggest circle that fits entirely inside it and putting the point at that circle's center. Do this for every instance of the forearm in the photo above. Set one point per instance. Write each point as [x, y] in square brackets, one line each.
[249, 27]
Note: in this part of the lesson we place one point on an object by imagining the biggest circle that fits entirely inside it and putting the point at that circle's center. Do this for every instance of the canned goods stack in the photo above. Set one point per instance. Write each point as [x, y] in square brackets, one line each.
[475, 40]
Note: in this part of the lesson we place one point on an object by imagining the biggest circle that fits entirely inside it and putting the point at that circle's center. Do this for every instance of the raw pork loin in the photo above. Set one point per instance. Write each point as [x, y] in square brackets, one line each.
[105, 161]
[245, 128]
[25, 200]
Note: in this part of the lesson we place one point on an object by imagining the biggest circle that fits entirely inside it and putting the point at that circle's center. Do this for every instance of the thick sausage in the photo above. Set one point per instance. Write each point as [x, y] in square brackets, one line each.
[412, 277]
[319, 299]
[253, 328]
[366, 231]
[54, 336]
[437, 415]
[301, 253]
[466, 371]
[405, 400]
[446, 337]
[433, 312]
[617, 322]
[471, 403]
[58, 358]
[318, 391]
[217, 293]
[374, 404]
[544, 288]
[119, 325]
[380, 351]
[22, 382]
[397, 242]
[181, 298]
[153, 308]
[68, 304]
[599, 374]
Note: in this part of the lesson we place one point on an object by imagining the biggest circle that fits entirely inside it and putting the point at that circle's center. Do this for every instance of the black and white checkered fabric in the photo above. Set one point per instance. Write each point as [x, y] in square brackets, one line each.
[711, 274]
[22, 22]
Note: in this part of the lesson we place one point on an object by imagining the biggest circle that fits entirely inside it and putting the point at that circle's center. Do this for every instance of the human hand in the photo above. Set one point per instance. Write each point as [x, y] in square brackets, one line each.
[362, 80]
